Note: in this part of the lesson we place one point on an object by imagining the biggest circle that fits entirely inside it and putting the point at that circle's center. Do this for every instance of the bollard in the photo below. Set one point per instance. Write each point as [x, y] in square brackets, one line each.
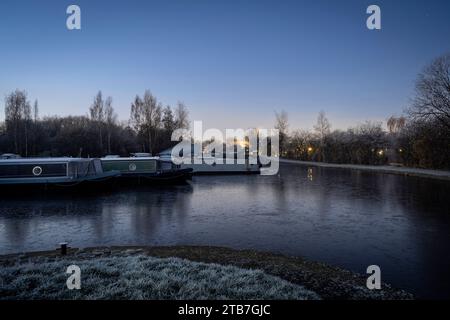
[63, 248]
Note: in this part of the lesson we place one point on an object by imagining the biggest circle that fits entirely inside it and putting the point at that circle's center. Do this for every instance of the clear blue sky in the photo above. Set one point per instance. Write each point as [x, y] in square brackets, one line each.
[231, 62]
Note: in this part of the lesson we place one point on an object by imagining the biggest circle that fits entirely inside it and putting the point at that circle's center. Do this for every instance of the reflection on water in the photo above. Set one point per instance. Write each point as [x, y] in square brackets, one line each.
[310, 174]
[348, 218]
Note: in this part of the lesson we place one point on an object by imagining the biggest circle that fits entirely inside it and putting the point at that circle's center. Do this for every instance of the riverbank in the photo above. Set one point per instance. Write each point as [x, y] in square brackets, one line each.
[293, 276]
[415, 172]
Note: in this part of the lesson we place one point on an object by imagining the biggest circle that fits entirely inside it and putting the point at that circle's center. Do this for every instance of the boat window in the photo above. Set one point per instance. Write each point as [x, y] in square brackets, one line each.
[30, 170]
[37, 171]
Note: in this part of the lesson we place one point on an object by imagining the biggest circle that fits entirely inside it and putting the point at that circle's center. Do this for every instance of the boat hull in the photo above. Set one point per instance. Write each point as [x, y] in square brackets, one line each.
[221, 169]
[173, 176]
[60, 183]
[145, 170]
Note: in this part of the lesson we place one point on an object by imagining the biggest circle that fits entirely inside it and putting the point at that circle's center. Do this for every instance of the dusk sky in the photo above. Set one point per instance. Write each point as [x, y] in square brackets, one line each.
[233, 63]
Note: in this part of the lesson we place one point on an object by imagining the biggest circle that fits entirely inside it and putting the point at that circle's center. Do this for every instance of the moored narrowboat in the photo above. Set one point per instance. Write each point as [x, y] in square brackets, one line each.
[142, 169]
[200, 165]
[52, 172]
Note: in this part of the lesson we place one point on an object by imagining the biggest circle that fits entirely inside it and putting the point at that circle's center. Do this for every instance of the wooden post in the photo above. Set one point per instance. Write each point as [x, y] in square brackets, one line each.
[63, 248]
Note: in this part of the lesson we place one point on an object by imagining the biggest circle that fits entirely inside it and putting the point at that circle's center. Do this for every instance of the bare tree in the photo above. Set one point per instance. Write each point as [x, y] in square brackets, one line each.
[168, 119]
[110, 119]
[322, 129]
[395, 124]
[281, 121]
[97, 115]
[150, 104]
[27, 121]
[282, 124]
[17, 113]
[146, 117]
[299, 144]
[96, 110]
[323, 126]
[157, 125]
[35, 111]
[34, 126]
[432, 101]
[136, 114]
[181, 116]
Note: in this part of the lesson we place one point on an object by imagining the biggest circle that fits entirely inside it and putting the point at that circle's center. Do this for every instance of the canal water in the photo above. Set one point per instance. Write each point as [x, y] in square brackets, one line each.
[346, 218]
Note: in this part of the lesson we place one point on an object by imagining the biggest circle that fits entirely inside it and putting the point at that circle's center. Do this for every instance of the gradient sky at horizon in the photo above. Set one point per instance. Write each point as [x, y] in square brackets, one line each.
[233, 63]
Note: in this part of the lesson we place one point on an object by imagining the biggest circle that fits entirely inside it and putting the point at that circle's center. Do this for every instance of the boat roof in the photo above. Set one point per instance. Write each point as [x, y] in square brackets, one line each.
[46, 160]
[130, 159]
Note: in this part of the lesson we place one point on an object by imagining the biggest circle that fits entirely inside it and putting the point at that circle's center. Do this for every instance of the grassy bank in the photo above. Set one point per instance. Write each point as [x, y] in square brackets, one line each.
[143, 277]
[181, 272]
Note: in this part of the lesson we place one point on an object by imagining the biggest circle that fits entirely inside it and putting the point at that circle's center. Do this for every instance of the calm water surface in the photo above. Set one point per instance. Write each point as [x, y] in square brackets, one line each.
[347, 218]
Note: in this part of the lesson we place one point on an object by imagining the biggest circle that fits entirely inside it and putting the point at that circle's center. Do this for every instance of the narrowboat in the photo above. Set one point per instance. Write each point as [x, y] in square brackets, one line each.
[200, 165]
[144, 169]
[52, 172]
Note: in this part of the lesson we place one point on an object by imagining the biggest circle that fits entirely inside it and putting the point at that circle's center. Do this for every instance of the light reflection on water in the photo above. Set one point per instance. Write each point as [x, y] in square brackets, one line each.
[348, 218]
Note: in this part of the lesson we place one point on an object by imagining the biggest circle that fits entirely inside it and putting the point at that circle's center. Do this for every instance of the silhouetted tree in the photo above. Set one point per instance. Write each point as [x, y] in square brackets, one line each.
[17, 115]
[432, 101]
[110, 121]
[181, 116]
[146, 119]
[395, 124]
[96, 112]
[282, 124]
[168, 119]
[322, 129]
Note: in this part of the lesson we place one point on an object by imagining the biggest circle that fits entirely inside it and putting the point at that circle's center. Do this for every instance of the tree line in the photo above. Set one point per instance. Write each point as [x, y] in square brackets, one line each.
[418, 138]
[96, 134]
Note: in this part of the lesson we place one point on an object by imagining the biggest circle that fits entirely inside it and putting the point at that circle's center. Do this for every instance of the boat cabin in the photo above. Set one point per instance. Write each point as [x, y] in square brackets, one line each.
[48, 169]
